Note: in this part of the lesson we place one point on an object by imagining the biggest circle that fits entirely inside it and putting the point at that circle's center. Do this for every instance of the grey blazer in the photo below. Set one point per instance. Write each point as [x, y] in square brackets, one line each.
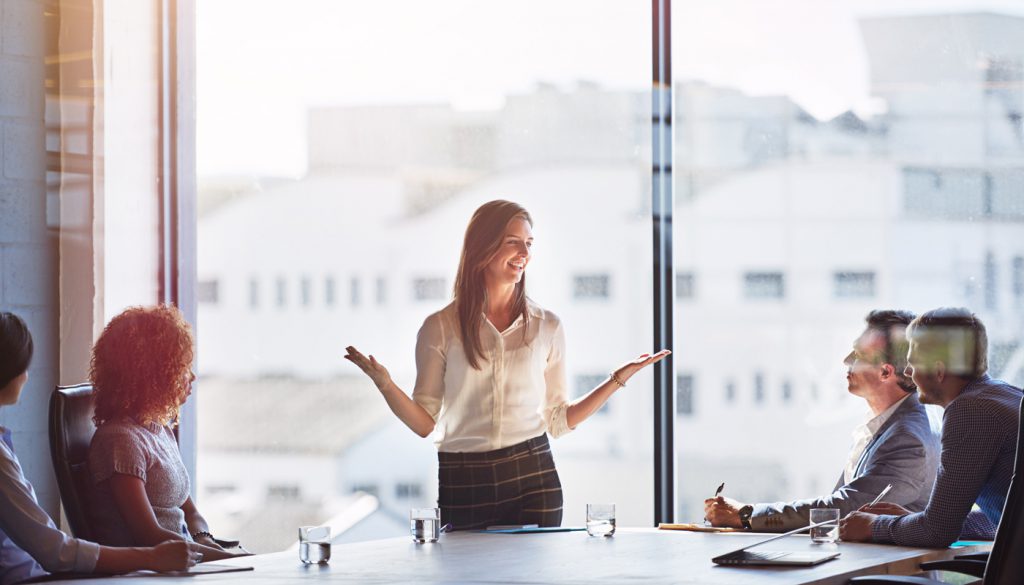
[904, 452]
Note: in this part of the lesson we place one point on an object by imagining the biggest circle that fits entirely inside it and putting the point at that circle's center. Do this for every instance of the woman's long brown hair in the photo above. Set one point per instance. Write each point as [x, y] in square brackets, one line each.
[484, 235]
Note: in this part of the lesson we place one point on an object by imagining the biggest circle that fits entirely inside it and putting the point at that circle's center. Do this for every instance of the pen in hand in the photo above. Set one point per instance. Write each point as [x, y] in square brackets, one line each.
[879, 497]
[718, 492]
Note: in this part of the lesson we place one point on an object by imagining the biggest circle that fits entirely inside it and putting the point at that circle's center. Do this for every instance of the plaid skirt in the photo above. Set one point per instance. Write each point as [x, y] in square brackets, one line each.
[514, 485]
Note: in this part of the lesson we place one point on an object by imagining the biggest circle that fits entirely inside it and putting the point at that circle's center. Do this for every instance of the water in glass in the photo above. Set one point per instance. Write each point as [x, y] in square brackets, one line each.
[601, 526]
[425, 529]
[827, 533]
[315, 552]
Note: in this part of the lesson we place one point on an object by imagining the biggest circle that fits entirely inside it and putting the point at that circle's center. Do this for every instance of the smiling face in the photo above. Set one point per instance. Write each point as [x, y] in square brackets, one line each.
[509, 262]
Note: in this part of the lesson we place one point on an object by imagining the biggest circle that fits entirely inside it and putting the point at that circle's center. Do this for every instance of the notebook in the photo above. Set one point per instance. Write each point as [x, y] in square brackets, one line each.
[782, 558]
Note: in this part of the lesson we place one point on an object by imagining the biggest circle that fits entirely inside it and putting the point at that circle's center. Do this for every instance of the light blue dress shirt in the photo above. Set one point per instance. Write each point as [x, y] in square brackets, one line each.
[30, 543]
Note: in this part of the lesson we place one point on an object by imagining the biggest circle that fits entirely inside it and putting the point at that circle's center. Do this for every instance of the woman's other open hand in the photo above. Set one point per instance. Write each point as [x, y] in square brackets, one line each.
[626, 371]
[370, 366]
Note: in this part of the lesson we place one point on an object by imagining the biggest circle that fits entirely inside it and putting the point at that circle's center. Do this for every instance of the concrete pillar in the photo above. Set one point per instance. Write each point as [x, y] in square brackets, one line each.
[28, 258]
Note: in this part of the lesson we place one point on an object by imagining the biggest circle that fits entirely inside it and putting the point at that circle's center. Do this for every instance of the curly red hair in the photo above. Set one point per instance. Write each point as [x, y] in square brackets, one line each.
[141, 365]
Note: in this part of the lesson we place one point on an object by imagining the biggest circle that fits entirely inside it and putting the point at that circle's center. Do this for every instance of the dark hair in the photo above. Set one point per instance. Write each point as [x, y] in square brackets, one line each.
[484, 235]
[15, 347]
[892, 325]
[954, 336]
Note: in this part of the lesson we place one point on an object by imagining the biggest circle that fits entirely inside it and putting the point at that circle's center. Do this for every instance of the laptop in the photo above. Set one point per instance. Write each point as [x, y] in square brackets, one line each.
[779, 558]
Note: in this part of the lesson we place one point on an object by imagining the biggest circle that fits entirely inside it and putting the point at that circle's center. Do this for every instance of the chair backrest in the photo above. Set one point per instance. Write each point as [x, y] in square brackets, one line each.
[1005, 566]
[71, 431]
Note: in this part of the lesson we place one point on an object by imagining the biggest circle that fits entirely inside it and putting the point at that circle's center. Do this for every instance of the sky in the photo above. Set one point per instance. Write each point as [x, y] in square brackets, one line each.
[262, 63]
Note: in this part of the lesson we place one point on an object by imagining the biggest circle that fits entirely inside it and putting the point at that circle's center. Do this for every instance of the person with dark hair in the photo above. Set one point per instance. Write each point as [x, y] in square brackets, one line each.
[30, 543]
[895, 446]
[948, 361]
[141, 371]
[490, 383]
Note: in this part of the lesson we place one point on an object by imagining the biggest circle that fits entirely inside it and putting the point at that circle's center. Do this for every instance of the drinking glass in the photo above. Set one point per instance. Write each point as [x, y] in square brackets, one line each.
[827, 533]
[425, 524]
[600, 519]
[315, 544]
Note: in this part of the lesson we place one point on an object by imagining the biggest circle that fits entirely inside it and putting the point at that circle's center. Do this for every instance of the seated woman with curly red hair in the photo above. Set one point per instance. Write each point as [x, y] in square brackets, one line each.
[141, 373]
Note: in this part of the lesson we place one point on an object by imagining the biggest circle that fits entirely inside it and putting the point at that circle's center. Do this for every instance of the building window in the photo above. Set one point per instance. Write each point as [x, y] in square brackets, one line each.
[1018, 277]
[282, 291]
[764, 285]
[850, 285]
[207, 291]
[787, 391]
[730, 391]
[306, 291]
[254, 293]
[355, 293]
[584, 383]
[685, 282]
[405, 491]
[684, 394]
[591, 286]
[214, 489]
[329, 291]
[759, 388]
[382, 290]
[991, 282]
[428, 289]
[366, 488]
[284, 492]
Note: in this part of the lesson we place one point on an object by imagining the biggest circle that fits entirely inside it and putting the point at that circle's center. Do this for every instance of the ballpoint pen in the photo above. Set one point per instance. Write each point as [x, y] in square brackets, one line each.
[879, 497]
[718, 492]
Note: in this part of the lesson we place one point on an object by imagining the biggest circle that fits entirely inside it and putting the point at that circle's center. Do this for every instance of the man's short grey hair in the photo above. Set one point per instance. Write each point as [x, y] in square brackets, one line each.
[954, 336]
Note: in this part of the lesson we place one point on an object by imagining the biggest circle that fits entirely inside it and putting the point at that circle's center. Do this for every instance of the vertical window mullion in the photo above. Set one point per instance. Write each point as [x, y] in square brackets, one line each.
[664, 279]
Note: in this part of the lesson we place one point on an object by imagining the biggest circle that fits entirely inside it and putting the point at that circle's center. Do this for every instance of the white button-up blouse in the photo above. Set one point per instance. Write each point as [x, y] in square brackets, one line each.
[518, 393]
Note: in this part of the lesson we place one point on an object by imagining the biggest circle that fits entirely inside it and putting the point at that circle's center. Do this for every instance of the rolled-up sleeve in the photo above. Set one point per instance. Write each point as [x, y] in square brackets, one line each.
[556, 402]
[430, 366]
[31, 529]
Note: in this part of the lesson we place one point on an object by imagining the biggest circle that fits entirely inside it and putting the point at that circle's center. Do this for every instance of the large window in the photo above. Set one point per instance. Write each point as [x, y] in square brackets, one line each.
[356, 141]
[868, 155]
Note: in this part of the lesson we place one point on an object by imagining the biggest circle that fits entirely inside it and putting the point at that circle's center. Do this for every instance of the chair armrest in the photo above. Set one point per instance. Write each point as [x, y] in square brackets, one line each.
[978, 556]
[972, 568]
[893, 580]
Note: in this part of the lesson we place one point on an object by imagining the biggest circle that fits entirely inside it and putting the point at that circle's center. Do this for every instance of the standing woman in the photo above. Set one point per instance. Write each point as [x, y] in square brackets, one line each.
[30, 543]
[491, 383]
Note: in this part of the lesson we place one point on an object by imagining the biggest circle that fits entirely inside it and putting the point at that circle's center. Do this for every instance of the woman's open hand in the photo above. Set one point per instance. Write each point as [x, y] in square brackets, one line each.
[370, 366]
[626, 371]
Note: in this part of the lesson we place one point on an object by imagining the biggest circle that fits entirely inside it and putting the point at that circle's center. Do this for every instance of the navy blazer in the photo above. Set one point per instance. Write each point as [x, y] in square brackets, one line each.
[904, 452]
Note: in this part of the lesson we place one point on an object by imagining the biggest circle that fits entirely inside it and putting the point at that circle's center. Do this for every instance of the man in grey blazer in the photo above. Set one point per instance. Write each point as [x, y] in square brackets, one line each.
[896, 446]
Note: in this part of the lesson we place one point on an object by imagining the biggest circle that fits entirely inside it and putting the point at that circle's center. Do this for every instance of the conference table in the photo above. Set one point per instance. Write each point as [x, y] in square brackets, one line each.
[633, 555]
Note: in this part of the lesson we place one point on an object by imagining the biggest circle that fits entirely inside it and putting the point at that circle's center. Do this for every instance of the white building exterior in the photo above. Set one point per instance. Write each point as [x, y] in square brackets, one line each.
[788, 230]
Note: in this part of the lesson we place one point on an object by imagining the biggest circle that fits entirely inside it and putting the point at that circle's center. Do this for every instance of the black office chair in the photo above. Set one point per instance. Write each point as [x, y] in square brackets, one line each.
[71, 431]
[1001, 566]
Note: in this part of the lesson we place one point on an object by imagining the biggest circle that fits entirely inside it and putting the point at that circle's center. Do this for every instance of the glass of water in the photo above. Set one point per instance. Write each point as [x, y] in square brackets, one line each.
[315, 544]
[425, 524]
[827, 533]
[600, 519]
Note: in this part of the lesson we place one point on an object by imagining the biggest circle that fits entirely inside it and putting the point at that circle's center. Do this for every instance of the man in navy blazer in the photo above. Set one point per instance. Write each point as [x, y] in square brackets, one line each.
[896, 446]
